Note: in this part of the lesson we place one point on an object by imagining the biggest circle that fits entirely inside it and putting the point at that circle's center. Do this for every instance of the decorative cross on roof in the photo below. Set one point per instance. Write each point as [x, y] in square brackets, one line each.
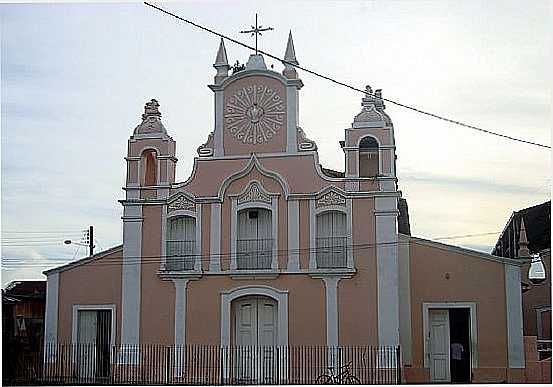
[256, 31]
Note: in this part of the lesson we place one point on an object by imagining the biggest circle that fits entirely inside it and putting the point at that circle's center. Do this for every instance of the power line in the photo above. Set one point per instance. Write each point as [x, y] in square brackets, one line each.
[467, 235]
[333, 80]
[223, 257]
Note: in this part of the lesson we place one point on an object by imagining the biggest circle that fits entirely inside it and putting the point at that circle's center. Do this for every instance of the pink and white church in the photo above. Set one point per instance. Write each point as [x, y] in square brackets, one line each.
[263, 246]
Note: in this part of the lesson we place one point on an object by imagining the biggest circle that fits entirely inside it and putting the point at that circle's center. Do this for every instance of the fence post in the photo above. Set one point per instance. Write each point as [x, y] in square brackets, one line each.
[398, 364]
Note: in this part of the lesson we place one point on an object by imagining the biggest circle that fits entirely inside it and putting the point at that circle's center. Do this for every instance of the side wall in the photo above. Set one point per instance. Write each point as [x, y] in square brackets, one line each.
[439, 275]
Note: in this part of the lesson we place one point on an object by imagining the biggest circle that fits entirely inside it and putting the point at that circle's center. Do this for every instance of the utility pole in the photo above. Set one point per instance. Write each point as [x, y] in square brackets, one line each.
[91, 240]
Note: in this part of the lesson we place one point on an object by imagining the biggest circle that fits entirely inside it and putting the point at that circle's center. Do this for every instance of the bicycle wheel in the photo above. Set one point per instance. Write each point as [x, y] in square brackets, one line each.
[350, 379]
[324, 379]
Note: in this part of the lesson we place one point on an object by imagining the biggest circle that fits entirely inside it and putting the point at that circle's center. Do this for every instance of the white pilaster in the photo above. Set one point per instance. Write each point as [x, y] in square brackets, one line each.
[132, 253]
[387, 270]
[51, 318]
[312, 233]
[293, 235]
[215, 238]
[513, 300]
[331, 286]
[218, 134]
[233, 234]
[180, 310]
[292, 119]
[274, 217]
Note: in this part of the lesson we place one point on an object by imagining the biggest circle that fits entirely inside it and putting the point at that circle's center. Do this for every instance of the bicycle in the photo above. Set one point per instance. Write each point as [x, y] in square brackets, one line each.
[344, 376]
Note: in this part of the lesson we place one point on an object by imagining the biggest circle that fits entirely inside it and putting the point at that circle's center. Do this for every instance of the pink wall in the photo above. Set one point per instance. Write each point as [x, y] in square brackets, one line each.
[157, 299]
[471, 279]
[98, 282]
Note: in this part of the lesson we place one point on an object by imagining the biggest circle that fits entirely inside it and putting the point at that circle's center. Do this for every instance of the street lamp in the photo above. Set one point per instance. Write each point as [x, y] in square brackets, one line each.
[88, 238]
[536, 272]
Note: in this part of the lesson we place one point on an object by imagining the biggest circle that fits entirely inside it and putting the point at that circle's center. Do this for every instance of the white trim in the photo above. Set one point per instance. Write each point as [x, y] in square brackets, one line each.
[293, 235]
[180, 310]
[218, 147]
[387, 270]
[426, 306]
[405, 335]
[131, 275]
[281, 296]
[51, 317]
[331, 287]
[79, 307]
[513, 304]
[215, 238]
[291, 119]
[199, 255]
[251, 164]
[312, 233]
[349, 240]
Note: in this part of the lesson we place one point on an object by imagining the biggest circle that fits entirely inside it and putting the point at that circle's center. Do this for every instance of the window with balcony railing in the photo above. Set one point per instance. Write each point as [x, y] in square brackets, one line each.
[254, 245]
[181, 244]
[254, 253]
[331, 240]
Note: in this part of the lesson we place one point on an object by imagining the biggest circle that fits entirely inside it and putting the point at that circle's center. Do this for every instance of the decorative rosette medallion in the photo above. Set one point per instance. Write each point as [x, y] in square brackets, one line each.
[255, 114]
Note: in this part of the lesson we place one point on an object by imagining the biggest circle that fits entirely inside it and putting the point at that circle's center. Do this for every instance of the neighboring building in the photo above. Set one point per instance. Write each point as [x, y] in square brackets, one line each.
[263, 246]
[531, 228]
[23, 304]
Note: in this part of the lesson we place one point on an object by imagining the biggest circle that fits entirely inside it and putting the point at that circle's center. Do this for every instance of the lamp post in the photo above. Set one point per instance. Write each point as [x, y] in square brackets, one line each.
[89, 240]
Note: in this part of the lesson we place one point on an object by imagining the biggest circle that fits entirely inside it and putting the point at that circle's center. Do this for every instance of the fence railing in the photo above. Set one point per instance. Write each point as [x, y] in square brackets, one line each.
[254, 253]
[331, 252]
[205, 365]
[180, 255]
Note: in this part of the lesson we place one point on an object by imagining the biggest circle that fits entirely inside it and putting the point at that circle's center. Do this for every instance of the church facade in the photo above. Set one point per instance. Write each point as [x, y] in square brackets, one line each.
[262, 246]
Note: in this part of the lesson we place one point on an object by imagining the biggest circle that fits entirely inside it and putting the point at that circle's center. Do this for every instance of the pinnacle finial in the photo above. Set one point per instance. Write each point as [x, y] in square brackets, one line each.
[523, 250]
[290, 59]
[290, 54]
[221, 59]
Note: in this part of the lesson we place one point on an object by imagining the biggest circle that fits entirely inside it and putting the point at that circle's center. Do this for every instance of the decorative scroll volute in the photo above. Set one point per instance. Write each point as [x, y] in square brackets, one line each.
[331, 199]
[182, 203]
[254, 194]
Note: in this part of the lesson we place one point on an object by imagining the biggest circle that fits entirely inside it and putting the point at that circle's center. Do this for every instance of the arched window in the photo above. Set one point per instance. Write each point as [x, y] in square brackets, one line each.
[149, 167]
[254, 244]
[368, 157]
[181, 243]
[331, 240]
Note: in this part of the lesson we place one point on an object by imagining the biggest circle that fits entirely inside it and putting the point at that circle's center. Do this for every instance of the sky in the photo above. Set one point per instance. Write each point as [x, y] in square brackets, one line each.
[75, 77]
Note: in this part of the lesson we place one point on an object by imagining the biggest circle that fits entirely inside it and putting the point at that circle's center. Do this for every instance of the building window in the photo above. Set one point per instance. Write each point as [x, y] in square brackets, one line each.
[181, 244]
[149, 167]
[331, 240]
[368, 157]
[254, 245]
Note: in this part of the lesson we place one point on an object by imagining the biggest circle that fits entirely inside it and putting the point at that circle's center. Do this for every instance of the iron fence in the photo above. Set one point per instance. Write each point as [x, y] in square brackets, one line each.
[205, 365]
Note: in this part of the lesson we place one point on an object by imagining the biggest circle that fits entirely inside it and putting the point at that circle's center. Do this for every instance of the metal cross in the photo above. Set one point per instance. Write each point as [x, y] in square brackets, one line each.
[256, 31]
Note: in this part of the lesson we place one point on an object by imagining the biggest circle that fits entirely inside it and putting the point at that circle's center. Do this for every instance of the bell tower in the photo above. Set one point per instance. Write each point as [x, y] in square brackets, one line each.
[150, 172]
[369, 145]
[150, 157]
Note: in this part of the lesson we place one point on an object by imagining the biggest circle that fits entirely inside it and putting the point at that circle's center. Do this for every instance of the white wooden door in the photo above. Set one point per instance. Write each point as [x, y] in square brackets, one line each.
[439, 346]
[256, 335]
[86, 340]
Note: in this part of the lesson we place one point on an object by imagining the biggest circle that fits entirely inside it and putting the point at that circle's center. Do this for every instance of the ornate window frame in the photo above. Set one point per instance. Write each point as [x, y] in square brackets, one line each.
[330, 199]
[253, 196]
[182, 204]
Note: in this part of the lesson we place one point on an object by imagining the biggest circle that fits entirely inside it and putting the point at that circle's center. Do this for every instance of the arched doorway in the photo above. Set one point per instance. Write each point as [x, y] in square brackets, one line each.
[255, 338]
